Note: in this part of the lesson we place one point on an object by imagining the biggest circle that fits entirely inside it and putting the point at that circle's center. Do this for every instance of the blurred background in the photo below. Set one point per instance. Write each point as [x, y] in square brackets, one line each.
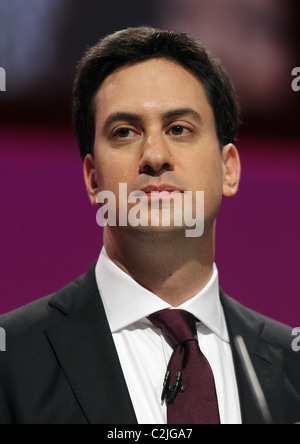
[48, 230]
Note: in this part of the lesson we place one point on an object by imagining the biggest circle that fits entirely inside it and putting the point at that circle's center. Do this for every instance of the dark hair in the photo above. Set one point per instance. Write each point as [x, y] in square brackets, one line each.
[135, 45]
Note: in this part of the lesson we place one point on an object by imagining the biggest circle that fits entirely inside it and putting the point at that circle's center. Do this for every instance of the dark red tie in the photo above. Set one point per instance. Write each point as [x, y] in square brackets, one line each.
[189, 387]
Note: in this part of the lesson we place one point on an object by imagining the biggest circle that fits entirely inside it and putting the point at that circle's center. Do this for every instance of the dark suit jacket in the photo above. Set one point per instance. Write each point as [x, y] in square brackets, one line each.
[61, 365]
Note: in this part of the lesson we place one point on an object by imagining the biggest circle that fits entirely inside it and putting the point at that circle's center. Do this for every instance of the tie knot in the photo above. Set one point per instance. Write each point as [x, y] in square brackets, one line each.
[179, 325]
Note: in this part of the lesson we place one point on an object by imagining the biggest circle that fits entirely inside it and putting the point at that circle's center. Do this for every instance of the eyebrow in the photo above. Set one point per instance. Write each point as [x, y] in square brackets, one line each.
[133, 118]
[182, 112]
[124, 116]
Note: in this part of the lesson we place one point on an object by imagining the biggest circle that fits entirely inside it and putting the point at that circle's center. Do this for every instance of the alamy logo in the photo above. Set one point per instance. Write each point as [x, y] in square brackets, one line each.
[296, 341]
[2, 340]
[2, 79]
[154, 208]
[296, 81]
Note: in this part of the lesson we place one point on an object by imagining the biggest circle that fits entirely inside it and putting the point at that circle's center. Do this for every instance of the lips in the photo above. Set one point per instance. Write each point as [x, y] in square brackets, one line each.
[159, 188]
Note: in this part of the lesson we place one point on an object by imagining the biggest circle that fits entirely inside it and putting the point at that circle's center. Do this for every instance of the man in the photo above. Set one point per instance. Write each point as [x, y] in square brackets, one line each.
[146, 336]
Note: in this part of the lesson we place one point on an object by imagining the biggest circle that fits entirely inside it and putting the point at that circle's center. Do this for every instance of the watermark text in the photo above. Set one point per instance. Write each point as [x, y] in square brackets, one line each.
[155, 209]
[148, 433]
[296, 341]
[296, 80]
[2, 79]
[2, 340]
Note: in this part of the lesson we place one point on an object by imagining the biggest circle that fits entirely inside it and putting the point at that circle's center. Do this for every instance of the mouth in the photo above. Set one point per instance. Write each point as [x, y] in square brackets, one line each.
[158, 193]
[159, 189]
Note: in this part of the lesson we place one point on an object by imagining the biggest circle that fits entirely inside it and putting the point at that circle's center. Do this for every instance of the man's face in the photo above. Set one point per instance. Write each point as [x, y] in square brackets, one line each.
[156, 128]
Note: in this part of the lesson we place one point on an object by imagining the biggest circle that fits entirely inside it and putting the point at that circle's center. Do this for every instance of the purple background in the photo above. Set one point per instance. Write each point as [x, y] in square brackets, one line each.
[49, 234]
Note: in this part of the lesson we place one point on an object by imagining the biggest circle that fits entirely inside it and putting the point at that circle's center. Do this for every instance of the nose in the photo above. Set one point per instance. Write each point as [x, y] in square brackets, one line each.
[156, 157]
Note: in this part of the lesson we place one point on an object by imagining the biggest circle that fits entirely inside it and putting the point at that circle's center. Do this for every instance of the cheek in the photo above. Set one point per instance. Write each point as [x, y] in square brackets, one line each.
[207, 172]
[215, 180]
[214, 193]
[208, 177]
[111, 171]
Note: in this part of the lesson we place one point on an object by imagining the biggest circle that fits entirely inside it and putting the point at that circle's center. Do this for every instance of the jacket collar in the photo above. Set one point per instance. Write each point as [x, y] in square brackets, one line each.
[267, 361]
[85, 349]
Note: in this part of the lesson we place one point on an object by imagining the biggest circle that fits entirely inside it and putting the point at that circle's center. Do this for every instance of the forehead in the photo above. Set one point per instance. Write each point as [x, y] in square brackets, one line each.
[153, 86]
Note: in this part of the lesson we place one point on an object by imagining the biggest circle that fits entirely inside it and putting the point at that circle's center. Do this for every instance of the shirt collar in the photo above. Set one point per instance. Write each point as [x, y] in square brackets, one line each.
[126, 301]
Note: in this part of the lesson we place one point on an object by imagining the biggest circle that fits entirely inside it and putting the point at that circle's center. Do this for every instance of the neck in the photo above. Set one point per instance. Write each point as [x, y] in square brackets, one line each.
[173, 267]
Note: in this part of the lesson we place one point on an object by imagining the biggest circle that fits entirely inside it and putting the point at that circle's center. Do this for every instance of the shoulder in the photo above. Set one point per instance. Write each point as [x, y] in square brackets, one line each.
[47, 310]
[275, 358]
[271, 331]
[28, 354]
[31, 316]
[29, 365]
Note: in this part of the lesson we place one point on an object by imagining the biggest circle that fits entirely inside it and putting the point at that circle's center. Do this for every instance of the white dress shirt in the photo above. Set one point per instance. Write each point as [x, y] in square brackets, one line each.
[144, 352]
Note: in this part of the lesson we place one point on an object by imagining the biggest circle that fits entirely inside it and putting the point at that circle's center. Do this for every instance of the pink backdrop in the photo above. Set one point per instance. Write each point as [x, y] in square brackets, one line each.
[49, 234]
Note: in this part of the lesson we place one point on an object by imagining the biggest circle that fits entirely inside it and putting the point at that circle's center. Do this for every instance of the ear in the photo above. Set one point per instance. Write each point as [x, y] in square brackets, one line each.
[89, 172]
[231, 169]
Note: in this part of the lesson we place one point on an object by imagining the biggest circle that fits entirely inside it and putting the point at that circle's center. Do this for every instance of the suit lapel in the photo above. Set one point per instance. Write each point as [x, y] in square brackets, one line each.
[84, 347]
[267, 361]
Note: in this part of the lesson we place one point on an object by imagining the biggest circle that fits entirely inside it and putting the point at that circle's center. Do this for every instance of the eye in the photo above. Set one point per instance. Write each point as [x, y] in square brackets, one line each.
[179, 130]
[124, 133]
